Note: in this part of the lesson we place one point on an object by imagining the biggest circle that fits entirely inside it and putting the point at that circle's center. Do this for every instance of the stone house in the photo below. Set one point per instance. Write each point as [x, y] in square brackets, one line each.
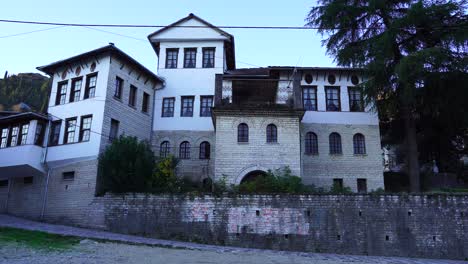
[220, 121]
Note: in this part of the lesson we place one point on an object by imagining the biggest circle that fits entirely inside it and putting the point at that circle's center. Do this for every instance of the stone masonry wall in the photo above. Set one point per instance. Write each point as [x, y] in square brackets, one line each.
[321, 169]
[428, 226]
[234, 160]
[194, 168]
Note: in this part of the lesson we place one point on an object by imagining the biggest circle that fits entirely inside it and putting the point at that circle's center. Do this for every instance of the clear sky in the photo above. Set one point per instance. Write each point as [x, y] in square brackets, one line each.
[258, 47]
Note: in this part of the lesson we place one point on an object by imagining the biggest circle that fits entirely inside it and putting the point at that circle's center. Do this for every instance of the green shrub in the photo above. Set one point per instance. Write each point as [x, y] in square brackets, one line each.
[124, 166]
[164, 177]
[337, 189]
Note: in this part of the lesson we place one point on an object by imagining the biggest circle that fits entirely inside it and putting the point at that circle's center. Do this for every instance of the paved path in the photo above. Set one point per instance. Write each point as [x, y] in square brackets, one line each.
[10, 221]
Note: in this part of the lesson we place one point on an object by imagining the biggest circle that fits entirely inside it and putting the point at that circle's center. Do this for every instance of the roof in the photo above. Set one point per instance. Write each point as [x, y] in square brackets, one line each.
[111, 48]
[315, 68]
[10, 116]
[230, 60]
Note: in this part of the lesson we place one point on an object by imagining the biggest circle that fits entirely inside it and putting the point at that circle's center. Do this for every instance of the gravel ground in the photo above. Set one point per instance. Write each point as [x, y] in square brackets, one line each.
[89, 251]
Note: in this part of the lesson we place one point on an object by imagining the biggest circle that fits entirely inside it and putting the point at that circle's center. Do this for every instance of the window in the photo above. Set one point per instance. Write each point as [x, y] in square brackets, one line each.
[118, 87]
[70, 127]
[85, 128]
[145, 103]
[90, 90]
[4, 139]
[309, 98]
[132, 96]
[168, 107]
[338, 183]
[333, 98]
[243, 133]
[359, 144]
[55, 133]
[190, 57]
[335, 143]
[76, 90]
[28, 180]
[184, 150]
[205, 105]
[272, 133]
[23, 137]
[14, 136]
[208, 57]
[3, 183]
[186, 107]
[362, 185]
[164, 149]
[114, 129]
[311, 144]
[68, 176]
[171, 58]
[355, 100]
[61, 93]
[39, 134]
[205, 150]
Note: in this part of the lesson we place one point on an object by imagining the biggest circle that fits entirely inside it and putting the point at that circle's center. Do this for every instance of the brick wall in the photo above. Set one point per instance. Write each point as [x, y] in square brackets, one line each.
[321, 169]
[429, 226]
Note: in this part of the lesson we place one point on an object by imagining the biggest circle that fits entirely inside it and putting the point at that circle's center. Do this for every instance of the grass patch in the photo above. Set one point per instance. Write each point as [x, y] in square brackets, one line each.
[37, 239]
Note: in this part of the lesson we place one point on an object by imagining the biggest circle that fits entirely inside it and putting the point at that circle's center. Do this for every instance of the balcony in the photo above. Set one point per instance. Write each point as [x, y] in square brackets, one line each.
[21, 161]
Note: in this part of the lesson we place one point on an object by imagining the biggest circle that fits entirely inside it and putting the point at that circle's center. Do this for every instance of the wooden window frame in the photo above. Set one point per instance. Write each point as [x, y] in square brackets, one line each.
[4, 132]
[359, 144]
[327, 99]
[90, 91]
[13, 135]
[68, 131]
[75, 94]
[184, 150]
[208, 61]
[145, 102]
[39, 134]
[314, 105]
[170, 106]
[242, 133]
[190, 60]
[23, 136]
[132, 96]
[360, 101]
[190, 106]
[68, 175]
[272, 133]
[164, 149]
[83, 130]
[118, 87]
[61, 95]
[55, 127]
[172, 59]
[311, 143]
[205, 150]
[335, 144]
[114, 133]
[205, 108]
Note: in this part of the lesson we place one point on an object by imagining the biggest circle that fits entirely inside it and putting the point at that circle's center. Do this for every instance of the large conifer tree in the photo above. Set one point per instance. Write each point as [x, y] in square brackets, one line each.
[403, 46]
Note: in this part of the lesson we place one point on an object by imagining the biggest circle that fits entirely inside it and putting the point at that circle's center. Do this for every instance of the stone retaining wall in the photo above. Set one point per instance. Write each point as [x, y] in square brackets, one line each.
[428, 226]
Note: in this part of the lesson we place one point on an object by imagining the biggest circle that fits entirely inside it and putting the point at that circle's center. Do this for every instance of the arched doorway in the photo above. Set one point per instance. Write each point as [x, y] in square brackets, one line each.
[253, 175]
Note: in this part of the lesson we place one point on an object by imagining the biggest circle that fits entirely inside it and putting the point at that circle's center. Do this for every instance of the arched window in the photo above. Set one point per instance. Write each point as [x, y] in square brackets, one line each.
[359, 143]
[243, 133]
[164, 149]
[335, 143]
[311, 143]
[184, 150]
[272, 133]
[205, 150]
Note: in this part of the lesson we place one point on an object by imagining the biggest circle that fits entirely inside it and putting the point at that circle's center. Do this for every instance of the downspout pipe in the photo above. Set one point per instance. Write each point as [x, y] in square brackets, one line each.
[46, 187]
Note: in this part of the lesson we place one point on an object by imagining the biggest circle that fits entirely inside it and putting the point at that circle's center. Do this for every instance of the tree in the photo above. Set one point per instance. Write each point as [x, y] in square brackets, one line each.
[29, 88]
[403, 46]
[125, 166]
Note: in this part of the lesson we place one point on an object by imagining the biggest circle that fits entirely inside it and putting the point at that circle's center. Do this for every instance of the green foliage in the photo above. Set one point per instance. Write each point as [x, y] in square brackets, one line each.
[337, 189]
[278, 181]
[29, 88]
[125, 166]
[36, 239]
[164, 178]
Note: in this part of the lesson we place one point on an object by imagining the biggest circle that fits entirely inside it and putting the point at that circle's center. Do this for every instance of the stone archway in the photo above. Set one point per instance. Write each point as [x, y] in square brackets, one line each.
[252, 176]
[251, 172]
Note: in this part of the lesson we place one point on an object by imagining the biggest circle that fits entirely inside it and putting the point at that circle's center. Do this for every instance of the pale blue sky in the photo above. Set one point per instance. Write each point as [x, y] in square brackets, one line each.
[258, 47]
